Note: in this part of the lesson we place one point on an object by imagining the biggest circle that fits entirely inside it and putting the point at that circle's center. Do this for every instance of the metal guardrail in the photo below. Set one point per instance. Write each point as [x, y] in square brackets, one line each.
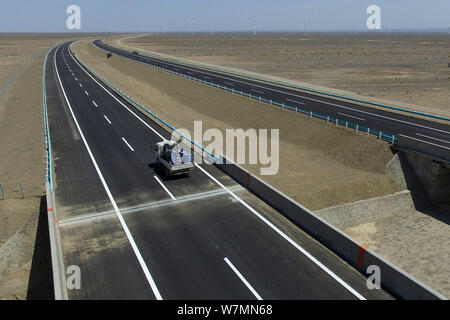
[392, 138]
[49, 169]
[313, 91]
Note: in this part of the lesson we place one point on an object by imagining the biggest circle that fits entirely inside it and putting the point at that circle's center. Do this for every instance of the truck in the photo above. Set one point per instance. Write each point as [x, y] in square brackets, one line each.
[172, 159]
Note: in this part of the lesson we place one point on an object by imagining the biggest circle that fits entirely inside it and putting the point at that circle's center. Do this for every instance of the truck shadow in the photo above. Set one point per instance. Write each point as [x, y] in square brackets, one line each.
[161, 175]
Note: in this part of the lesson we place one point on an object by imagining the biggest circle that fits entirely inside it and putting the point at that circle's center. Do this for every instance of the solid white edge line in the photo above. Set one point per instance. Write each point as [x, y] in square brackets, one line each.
[260, 92]
[422, 135]
[127, 144]
[433, 144]
[334, 276]
[164, 187]
[292, 242]
[107, 119]
[145, 123]
[247, 284]
[113, 202]
[347, 115]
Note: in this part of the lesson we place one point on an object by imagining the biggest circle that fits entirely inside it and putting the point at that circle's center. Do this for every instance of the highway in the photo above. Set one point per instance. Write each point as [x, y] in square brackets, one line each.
[424, 132]
[135, 234]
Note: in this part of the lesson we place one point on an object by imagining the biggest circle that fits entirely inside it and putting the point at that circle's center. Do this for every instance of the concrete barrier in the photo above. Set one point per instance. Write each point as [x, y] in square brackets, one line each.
[393, 279]
[59, 277]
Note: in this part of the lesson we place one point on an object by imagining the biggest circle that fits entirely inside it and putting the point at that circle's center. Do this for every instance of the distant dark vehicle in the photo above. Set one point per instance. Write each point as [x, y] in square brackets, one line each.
[135, 52]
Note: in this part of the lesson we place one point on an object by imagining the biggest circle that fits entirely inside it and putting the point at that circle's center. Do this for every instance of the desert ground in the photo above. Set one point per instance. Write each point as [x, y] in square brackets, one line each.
[403, 70]
[320, 165]
[22, 153]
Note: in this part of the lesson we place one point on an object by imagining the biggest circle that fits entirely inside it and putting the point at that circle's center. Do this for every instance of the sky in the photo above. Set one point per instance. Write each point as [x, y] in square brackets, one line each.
[225, 15]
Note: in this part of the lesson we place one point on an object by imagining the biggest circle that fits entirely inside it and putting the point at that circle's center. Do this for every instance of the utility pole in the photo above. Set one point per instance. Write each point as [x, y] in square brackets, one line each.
[193, 28]
[304, 27]
[254, 28]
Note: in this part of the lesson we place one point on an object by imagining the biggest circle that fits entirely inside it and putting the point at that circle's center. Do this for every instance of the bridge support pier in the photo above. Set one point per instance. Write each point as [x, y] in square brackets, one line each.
[408, 169]
[434, 176]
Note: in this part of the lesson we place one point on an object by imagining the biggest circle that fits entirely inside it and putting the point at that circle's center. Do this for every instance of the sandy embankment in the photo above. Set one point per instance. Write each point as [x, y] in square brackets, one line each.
[403, 70]
[320, 165]
[22, 159]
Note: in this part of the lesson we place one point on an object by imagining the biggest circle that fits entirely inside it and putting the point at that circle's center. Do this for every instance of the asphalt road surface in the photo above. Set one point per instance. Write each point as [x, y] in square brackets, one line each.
[425, 133]
[135, 234]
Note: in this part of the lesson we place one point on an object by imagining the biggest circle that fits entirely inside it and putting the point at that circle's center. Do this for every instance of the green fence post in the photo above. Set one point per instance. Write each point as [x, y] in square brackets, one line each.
[2, 191]
[21, 190]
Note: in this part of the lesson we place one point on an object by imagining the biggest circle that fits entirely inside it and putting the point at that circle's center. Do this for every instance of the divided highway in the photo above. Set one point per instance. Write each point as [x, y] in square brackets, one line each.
[424, 133]
[135, 234]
